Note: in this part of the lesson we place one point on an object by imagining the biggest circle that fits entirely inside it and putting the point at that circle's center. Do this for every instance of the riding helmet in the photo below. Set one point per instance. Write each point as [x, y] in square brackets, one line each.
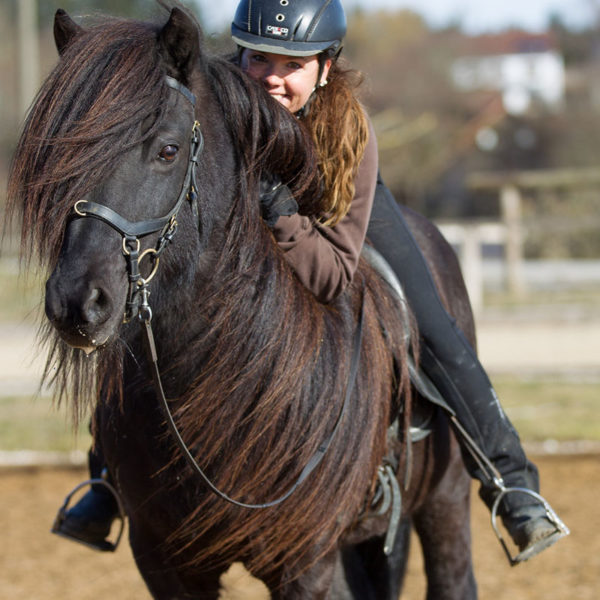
[292, 27]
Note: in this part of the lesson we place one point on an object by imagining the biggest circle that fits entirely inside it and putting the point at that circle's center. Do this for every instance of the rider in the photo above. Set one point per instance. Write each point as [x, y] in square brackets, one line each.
[292, 48]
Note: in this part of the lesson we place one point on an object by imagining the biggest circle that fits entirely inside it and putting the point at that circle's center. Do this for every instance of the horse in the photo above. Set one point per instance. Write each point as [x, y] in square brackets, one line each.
[136, 182]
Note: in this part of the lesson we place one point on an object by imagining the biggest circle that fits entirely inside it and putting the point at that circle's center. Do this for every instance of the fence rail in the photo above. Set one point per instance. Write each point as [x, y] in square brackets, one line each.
[511, 228]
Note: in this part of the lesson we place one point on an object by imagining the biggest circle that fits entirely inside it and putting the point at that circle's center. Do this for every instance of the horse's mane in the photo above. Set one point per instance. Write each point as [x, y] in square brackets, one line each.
[71, 142]
[290, 352]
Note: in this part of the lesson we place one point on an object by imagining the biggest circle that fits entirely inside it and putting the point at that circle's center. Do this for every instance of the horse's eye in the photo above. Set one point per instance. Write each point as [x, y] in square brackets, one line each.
[168, 153]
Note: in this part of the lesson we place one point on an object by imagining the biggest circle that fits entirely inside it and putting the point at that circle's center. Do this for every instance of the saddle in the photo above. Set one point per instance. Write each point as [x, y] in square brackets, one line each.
[388, 494]
[422, 383]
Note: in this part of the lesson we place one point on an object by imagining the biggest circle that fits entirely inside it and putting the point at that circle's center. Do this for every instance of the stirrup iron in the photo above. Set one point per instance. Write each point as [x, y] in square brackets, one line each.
[105, 545]
[561, 529]
[496, 479]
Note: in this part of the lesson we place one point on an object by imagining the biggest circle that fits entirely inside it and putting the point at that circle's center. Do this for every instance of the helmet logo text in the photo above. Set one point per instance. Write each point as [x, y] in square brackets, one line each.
[276, 30]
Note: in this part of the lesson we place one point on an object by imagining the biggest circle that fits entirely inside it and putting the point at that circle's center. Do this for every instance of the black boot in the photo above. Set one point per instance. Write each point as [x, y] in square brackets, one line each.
[90, 520]
[491, 447]
[532, 531]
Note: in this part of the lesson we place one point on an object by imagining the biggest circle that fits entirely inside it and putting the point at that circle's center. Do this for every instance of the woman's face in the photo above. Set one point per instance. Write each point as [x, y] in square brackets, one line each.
[289, 79]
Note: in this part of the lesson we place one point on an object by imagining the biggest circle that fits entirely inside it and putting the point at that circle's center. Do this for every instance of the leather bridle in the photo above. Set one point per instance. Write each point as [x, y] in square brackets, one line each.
[137, 296]
[137, 299]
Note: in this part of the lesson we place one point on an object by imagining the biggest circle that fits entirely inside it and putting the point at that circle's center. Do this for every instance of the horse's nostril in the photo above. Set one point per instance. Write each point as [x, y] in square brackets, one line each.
[96, 296]
[53, 306]
[95, 306]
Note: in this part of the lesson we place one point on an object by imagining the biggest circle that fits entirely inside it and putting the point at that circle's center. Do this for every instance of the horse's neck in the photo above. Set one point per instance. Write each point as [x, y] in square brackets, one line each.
[191, 324]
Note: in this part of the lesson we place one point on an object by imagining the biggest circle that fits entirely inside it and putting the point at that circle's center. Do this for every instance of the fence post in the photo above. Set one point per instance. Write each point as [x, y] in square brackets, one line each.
[510, 203]
[29, 57]
[472, 266]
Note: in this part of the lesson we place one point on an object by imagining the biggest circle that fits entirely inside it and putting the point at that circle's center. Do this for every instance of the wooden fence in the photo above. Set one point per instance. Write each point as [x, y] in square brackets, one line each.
[509, 231]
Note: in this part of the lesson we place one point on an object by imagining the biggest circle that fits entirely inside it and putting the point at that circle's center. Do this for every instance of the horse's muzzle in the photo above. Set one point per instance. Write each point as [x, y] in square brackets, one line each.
[81, 310]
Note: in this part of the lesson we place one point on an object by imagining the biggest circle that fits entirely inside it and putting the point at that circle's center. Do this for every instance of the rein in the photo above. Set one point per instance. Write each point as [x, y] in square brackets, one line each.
[137, 300]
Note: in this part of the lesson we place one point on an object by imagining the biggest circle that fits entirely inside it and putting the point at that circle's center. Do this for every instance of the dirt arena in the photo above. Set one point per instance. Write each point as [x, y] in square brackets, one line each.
[35, 565]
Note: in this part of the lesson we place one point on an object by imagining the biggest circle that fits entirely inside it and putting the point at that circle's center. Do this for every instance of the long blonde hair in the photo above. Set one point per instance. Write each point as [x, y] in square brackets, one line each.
[340, 131]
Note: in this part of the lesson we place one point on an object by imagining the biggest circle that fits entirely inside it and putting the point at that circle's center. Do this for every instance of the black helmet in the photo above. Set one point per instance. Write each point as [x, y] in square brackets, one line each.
[294, 27]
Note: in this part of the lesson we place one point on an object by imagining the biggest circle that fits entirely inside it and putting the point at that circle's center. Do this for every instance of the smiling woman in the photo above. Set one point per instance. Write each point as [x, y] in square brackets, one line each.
[289, 79]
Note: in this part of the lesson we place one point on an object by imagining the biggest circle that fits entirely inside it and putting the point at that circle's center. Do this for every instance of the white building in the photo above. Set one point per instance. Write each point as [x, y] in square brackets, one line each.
[522, 78]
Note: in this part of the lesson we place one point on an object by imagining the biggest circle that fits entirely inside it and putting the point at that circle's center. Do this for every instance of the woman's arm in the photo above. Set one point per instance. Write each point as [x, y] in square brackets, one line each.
[325, 258]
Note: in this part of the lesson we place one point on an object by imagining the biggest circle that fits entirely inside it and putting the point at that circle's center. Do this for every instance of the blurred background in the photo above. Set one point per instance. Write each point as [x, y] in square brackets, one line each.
[488, 121]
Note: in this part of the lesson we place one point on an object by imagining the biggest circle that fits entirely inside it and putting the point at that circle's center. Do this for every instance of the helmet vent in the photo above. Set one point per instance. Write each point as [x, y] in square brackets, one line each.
[280, 18]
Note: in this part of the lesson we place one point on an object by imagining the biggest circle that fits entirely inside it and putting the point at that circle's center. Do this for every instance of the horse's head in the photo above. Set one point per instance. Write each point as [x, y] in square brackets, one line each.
[127, 215]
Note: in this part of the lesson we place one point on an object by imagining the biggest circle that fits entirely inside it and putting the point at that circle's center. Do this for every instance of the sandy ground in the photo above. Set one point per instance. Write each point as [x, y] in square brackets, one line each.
[35, 565]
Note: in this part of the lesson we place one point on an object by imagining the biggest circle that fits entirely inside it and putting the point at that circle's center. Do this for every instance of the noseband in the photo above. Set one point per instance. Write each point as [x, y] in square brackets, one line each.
[137, 296]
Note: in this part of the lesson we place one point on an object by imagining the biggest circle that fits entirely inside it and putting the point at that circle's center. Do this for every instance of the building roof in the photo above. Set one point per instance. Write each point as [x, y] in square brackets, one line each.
[512, 41]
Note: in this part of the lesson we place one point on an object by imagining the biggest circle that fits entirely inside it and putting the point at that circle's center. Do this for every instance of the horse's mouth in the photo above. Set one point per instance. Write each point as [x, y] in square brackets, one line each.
[80, 339]
[93, 347]
[88, 349]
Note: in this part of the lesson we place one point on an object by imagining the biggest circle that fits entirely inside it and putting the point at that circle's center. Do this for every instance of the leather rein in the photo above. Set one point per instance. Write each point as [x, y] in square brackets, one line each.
[137, 299]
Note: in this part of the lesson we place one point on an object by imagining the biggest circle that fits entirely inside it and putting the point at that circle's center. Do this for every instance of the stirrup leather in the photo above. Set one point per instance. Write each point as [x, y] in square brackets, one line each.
[561, 529]
[105, 545]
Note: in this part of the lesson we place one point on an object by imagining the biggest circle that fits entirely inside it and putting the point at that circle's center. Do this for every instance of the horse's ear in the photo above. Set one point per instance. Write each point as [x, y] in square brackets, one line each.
[65, 30]
[179, 43]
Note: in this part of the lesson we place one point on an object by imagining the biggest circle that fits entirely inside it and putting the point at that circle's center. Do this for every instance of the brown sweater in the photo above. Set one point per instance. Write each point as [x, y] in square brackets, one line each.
[325, 258]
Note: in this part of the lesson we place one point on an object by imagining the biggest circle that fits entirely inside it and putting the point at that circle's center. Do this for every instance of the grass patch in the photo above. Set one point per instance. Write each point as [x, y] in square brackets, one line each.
[540, 410]
[559, 410]
[582, 297]
[28, 423]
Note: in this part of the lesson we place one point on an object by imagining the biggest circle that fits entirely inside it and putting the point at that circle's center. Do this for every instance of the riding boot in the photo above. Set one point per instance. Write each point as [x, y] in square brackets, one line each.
[493, 454]
[449, 360]
[90, 520]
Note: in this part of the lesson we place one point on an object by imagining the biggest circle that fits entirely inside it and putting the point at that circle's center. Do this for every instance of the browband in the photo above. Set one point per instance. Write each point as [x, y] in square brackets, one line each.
[177, 85]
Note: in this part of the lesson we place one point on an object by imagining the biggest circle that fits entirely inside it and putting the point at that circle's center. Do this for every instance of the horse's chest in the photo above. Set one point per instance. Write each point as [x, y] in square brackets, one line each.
[133, 443]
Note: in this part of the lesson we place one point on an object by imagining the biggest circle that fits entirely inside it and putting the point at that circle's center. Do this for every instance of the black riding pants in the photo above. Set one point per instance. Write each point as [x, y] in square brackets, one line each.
[448, 358]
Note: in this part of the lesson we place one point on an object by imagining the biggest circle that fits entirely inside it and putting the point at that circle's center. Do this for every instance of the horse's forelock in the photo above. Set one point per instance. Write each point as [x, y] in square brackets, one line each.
[87, 113]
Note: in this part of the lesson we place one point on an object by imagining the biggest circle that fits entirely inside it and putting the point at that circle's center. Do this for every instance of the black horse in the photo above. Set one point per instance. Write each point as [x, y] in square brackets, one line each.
[138, 139]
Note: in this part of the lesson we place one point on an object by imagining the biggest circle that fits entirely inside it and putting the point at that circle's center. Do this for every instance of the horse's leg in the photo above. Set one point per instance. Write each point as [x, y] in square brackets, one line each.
[370, 574]
[313, 584]
[443, 526]
[163, 575]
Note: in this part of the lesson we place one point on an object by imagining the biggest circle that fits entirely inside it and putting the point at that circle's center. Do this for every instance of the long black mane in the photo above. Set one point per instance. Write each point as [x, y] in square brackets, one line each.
[71, 142]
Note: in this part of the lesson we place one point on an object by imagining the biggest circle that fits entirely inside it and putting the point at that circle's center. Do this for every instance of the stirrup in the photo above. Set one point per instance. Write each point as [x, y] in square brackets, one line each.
[561, 529]
[105, 545]
[495, 478]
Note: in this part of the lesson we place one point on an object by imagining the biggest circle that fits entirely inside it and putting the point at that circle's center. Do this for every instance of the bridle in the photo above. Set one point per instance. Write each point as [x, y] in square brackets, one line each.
[137, 297]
